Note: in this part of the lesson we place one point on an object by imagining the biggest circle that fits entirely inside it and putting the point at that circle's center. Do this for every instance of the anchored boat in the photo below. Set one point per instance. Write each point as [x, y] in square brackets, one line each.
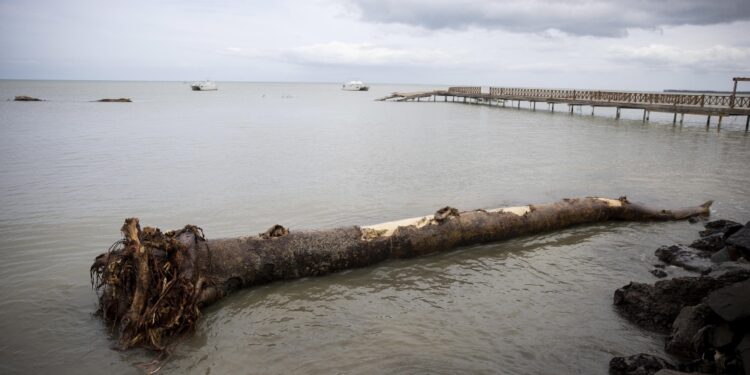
[355, 86]
[203, 86]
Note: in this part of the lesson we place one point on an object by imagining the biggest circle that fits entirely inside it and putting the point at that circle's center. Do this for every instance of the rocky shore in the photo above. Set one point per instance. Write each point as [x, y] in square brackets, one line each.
[706, 317]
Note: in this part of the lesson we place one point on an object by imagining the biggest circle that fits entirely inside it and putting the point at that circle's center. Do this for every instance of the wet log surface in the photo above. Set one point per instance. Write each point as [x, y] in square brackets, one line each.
[151, 285]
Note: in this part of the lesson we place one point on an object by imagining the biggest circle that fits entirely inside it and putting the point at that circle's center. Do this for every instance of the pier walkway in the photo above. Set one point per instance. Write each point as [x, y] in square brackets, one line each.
[720, 105]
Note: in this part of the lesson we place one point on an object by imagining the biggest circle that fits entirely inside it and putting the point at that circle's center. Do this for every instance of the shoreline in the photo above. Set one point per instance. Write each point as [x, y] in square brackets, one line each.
[705, 318]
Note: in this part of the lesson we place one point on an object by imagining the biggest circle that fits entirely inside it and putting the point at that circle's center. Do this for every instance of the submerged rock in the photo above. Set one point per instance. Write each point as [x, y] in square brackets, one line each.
[638, 364]
[660, 273]
[24, 98]
[685, 257]
[656, 306]
[118, 100]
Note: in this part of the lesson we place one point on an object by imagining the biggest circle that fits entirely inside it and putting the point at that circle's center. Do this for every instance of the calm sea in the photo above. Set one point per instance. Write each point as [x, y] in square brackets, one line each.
[238, 160]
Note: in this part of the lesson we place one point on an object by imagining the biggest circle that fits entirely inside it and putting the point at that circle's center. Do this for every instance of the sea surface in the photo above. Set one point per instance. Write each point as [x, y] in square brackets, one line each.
[310, 156]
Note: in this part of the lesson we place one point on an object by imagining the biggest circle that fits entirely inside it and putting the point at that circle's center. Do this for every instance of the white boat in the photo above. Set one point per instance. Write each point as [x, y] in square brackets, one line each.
[203, 86]
[355, 86]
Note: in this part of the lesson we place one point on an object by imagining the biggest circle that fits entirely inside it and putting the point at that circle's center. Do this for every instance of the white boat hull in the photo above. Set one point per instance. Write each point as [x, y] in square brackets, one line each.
[355, 86]
[204, 86]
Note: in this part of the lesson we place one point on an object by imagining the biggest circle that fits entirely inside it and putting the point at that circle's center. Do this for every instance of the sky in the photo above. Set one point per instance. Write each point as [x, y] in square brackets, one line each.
[606, 44]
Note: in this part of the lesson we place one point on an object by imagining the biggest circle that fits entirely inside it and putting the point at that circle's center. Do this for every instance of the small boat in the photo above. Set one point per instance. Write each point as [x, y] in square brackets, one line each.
[355, 86]
[203, 86]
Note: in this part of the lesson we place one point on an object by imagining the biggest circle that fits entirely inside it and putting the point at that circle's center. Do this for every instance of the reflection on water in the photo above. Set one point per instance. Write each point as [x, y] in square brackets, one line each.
[311, 156]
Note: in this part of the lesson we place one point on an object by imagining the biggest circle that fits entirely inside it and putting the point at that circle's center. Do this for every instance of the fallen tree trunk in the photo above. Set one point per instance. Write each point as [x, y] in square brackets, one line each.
[151, 285]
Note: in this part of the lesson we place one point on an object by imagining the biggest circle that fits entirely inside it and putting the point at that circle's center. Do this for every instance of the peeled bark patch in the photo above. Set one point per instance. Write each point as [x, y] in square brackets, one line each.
[152, 285]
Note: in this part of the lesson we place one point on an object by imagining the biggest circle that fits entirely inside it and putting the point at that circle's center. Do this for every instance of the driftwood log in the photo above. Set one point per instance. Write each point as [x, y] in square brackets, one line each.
[151, 285]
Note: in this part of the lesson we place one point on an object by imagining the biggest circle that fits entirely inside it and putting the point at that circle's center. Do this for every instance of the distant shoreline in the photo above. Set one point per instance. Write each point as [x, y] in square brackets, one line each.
[708, 91]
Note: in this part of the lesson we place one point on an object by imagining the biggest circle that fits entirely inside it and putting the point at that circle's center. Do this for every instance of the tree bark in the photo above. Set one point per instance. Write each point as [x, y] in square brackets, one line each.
[151, 285]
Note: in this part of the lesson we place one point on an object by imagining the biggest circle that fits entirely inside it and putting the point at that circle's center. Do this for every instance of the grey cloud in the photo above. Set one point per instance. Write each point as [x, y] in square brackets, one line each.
[605, 18]
[718, 58]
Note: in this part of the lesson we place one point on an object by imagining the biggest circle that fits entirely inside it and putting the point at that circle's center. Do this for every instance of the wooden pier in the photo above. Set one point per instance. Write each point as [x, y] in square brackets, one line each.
[709, 105]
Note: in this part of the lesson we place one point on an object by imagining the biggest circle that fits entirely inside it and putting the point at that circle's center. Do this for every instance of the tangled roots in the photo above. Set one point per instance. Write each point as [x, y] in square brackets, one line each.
[148, 284]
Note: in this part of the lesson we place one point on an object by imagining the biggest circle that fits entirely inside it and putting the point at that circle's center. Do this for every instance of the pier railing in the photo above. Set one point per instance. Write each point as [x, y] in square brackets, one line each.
[700, 100]
[474, 90]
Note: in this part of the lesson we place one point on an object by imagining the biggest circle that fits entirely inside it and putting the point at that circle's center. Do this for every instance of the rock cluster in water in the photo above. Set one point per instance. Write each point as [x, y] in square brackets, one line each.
[24, 98]
[706, 317]
[117, 100]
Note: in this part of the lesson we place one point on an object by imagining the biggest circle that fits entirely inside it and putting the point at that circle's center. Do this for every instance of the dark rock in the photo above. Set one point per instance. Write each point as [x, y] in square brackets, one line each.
[118, 100]
[743, 351]
[685, 257]
[685, 329]
[639, 364]
[727, 267]
[725, 255]
[731, 303]
[725, 227]
[712, 243]
[24, 98]
[660, 265]
[658, 273]
[656, 306]
[721, 336]
[712, 338]
[740, 240]
[674, 372]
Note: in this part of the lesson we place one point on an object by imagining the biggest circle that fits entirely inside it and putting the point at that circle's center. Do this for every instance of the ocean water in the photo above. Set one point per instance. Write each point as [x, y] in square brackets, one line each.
[238, 160]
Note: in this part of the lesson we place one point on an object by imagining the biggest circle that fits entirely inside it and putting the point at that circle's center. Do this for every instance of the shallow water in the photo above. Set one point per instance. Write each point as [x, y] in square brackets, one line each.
[240, 159]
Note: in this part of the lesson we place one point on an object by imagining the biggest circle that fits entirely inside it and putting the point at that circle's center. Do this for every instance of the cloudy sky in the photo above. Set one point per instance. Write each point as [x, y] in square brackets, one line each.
[614, 44]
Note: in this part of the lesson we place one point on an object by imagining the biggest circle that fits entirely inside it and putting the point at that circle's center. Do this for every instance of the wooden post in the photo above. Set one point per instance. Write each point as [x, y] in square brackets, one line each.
[594, 108]
[734, 93]
[719, 123]
[553, 107]
[533, 106]
[648, 115]
[674, 119]
[617, 116]
[682, 117]
[644, 115]
[747, 123]
[708, 121]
